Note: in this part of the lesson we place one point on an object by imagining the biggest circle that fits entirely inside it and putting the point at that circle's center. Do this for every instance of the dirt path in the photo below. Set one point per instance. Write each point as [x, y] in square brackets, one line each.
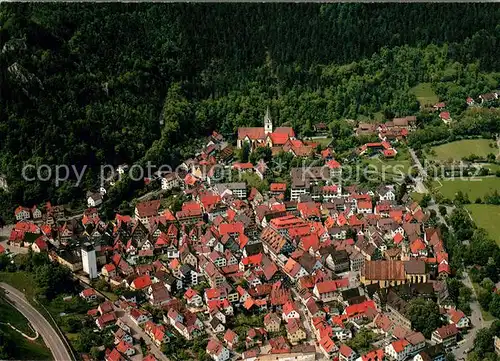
[22, 333]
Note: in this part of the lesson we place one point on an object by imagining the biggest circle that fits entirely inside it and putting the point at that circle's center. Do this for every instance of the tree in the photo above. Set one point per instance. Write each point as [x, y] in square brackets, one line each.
[53, 279]
[362, 340]
[488, 284]
[102, 285]
[425, 200]
[483, 343]
[244, 152]
[494, 306]
[264, 153]
[454, 286]
[442, 210]
[484, 298]
[450, 357]
[424, 316]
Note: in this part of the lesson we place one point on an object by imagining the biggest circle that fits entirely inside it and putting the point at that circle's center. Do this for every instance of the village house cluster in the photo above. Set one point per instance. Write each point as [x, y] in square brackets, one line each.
[318, 265]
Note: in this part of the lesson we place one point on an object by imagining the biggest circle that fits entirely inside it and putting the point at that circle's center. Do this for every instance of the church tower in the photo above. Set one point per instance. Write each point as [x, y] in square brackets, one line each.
[268, 123]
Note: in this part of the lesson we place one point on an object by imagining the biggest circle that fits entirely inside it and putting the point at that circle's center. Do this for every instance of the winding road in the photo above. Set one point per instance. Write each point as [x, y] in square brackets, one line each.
[419, 181]
[40, 324]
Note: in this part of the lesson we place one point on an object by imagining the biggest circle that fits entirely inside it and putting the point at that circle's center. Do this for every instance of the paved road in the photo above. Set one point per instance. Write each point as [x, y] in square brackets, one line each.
[476, 320]
[419, 181]
[139, 332]
[306, 321]
[435, 207]
[41, 325]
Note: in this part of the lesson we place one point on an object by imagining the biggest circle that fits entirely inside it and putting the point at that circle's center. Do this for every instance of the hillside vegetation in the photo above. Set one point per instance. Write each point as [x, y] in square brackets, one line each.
[88, 84]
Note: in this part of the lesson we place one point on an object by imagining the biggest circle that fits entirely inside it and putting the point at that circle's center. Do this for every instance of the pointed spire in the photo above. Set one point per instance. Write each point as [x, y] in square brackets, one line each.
[268, 123]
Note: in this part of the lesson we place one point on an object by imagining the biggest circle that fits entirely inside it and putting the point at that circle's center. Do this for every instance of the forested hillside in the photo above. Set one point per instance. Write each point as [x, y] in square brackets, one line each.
[112, 83]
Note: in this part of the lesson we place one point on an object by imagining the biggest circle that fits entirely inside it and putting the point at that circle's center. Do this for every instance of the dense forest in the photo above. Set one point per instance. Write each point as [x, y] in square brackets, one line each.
[89, 84]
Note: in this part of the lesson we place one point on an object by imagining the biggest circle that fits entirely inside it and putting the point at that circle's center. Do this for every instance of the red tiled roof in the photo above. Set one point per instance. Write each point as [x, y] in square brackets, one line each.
[326, 286]
[360, 308]
[278, 138]
[444, 267]
[384, 270]
[277, 187]
[400, 345]
[445, 115]
[375, 355]
[417, 245]
[289, 307]
[214, 346]
[141, 282]
[148, 209]
[333, 164]
[447, 331]
[230, 336]
[455, 315]
[88, 292]
[228, 228]
[364, 205]
[345, 350]
[285, 130]
[114, 356]
[252, 133]
[327, 344]
[242, 165]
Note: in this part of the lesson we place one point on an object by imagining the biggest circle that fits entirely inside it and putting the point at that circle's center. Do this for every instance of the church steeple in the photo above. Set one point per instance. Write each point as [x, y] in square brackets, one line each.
[268, 123]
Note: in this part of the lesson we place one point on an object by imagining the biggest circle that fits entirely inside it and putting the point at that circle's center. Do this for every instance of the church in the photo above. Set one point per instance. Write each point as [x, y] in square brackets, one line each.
[265, 136]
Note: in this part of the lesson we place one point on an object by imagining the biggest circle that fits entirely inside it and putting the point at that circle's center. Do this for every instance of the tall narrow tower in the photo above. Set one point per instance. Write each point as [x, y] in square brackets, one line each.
[89, 261]
[268, 123]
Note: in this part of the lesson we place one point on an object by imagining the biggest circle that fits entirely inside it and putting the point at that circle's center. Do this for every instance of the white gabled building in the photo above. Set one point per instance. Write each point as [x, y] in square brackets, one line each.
[217, 351]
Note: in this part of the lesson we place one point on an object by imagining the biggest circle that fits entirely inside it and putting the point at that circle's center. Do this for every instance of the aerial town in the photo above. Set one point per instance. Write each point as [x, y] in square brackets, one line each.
[254, 181]
[310, 268]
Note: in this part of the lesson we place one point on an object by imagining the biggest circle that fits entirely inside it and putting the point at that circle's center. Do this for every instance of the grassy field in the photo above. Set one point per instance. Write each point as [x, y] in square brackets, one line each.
[11, 315]
[463, 148]
[477, 187]
[425, 95]
[25, 349]
[323, 141]
[417, 197]
[487, 216]
[23, 281]
[398, 166]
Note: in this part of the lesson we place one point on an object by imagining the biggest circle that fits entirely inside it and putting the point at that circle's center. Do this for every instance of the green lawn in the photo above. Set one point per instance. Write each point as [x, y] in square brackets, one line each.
[492, 167]
[24, 349]
[425, 95]
[323, 141]
[463, 148]
[23, 281]
[476, 187]
[417, 197]
[487, 216]
[11, 315]
[400, 165]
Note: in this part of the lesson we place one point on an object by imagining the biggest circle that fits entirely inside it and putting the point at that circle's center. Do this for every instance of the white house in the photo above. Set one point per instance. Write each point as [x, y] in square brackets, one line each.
[217, 351]
[94, 200]
[386, 193]
[290, 311]
[398, 350]
[458, 318]
[22, 213]
[346, 353]
[36, 212]
[170, 181]
[138, 316]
